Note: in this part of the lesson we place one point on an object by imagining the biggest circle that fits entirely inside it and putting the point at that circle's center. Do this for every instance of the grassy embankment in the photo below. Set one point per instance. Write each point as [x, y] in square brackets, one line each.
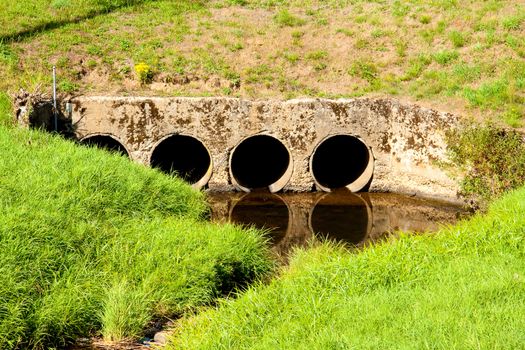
[461, 288]
[92, 244]
[463, 56]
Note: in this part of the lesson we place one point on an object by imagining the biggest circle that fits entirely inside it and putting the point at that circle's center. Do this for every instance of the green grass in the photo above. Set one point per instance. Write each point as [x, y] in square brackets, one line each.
[513, 22]
[21, 19]
[285, 19]
[317, 55]
[367, 71]
[5, 110]
[461, 288]
[457, 38]
[445, 57]
[94, 245]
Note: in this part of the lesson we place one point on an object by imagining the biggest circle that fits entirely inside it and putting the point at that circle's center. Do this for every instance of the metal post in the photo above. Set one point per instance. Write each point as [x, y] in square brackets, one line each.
[55, 111]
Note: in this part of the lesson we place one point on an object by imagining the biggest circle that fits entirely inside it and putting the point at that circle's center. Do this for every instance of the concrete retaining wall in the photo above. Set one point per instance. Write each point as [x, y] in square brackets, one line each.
[406, 140]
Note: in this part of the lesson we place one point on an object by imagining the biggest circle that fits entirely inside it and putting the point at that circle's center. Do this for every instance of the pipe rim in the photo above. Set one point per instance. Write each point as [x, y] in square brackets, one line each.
[86, 137]
[363, 179]
[277, 185]
[203, 181]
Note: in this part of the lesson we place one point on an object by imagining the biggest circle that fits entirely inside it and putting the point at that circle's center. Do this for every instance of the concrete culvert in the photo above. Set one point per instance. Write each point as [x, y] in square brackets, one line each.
[185, 156]
[260, 161]
[342, 161]
[106, 142]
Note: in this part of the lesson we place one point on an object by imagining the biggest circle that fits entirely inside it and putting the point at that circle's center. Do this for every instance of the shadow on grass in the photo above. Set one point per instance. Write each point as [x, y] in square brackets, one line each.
[57, 23]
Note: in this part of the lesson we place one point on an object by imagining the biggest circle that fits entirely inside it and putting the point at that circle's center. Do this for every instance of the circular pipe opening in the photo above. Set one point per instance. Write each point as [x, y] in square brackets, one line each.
[184, 156]
[260, 161]
[264, 211]
[342, 161]
[106, 142]
[343, 217]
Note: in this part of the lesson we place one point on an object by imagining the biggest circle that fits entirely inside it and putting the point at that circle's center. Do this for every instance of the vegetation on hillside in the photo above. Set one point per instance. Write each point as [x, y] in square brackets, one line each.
[491, 158]
[23, 19]
[95, 245]
[465, 55]
[461, 288]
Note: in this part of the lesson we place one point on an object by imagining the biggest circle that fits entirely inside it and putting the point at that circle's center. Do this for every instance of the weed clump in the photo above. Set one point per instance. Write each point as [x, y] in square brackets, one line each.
[513, 23]
[368, 71]
[285, 19]
[492, 158]
[457, 38]
[445, 57]
[144, 73]
[425, 19]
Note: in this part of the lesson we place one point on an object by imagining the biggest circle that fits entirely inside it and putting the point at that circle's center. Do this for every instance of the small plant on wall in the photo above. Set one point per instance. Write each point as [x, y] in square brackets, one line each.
[144, 73]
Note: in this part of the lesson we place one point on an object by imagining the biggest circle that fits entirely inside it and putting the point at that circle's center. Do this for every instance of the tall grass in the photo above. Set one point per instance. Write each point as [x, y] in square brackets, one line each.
[461, 288]
[6, 117]
[95, 245]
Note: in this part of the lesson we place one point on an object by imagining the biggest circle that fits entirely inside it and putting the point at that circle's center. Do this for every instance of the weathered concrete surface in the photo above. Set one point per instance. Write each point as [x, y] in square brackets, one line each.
[406, 140]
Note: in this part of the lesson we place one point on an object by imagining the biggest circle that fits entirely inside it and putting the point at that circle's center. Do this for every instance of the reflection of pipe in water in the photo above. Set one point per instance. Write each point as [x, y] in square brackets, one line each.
[264, 211]
[341, 216]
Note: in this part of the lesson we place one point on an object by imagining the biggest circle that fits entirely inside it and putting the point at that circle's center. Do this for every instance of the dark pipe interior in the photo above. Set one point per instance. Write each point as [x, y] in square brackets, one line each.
[105, 142]
[341, 218]
[339, 161]
[182, 155]
[259, 161]
[264, 211]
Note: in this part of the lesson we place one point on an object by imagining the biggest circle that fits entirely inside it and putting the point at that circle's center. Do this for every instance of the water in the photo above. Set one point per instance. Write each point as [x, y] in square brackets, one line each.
[293, 219]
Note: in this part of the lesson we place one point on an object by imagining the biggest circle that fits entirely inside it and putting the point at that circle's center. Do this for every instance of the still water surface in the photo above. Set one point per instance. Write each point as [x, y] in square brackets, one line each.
[293, 219]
